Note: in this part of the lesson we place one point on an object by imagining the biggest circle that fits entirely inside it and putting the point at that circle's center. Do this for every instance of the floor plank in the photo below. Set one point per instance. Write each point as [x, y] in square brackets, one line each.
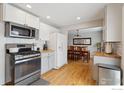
[73, 73]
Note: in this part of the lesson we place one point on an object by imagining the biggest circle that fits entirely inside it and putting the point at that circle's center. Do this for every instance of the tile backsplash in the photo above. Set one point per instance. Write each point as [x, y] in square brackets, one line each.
[117, 47]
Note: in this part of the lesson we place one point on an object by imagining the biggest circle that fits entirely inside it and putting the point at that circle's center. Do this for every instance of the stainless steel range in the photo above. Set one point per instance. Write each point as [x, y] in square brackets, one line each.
[23, 65]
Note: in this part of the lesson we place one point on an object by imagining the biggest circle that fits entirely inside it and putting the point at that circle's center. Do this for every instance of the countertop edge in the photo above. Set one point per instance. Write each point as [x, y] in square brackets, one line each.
[102, 54]
[47, 51]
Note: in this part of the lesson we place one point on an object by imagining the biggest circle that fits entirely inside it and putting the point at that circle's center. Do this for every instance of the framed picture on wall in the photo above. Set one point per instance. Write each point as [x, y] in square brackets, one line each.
[81, 41]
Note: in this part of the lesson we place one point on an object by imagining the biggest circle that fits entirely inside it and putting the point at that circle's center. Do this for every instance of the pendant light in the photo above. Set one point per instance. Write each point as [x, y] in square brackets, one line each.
[77, 35]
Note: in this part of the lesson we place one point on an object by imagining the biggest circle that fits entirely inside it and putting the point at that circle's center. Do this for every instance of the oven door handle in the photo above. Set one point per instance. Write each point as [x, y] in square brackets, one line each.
[21, 61]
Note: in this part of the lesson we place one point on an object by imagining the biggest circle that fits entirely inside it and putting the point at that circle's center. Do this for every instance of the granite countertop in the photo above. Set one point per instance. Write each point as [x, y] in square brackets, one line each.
[47, 51]
[113, 55]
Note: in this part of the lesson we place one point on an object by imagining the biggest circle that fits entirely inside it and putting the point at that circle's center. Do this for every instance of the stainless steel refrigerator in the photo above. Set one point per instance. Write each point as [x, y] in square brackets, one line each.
[109, 75]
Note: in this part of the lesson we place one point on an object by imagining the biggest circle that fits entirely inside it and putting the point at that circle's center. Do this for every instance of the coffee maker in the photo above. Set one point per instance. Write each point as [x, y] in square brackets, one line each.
[45, 46]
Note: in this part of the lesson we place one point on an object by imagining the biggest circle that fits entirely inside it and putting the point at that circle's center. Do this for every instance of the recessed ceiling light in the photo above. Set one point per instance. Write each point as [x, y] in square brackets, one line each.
[28, 6]
[78, 18]
[48, 17]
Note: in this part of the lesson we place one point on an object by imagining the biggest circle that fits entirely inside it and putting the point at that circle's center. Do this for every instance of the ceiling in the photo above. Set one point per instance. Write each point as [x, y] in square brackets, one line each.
[89, 30]
[64, 14]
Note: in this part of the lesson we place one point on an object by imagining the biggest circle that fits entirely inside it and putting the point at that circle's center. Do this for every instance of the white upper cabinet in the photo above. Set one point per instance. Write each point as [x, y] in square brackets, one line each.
[32, 21]
[12, 14]
[113, 23]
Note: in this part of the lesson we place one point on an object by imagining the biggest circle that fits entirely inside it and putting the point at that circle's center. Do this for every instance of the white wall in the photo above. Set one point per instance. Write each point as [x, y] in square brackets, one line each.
[3, 41]
[96, 36]
[117, 48]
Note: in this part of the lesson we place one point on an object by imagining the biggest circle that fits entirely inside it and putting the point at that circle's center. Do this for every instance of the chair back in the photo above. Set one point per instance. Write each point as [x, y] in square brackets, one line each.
[77, 48]
[70, 47]
[84, 49]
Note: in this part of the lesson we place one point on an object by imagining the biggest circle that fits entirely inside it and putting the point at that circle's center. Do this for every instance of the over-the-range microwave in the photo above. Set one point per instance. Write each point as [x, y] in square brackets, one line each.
[19, 31]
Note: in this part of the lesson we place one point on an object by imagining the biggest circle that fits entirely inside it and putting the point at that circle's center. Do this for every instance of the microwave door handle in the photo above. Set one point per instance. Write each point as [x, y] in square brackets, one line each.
[21, 61]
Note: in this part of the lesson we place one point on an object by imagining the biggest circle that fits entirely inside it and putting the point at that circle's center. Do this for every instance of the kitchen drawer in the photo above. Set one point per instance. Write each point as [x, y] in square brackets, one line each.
[44, 55]
[107, 60]
[51, 53]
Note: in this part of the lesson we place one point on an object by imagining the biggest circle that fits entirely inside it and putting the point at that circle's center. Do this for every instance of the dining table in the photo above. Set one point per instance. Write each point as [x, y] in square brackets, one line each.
[79, 54]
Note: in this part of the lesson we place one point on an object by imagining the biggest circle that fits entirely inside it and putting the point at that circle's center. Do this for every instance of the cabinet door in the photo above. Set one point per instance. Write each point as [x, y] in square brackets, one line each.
[13, 14]
[44, 65]
[113, 23]
[32, 21]
[51, 61]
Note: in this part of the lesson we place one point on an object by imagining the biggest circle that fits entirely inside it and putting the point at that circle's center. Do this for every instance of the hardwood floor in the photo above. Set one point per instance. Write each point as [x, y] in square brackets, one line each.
[73, 73]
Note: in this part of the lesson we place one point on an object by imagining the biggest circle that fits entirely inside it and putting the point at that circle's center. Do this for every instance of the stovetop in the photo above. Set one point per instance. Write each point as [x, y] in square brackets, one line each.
[24, 51]
[27, 53]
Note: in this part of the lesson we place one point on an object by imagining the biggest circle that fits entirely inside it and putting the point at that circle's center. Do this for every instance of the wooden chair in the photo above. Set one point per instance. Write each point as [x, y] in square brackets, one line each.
[70, 52]
[85, 54]
[77, 52]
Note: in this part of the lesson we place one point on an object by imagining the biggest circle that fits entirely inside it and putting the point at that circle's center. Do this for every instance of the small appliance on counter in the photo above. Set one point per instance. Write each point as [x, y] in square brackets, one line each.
[45, 46]
[108, 47]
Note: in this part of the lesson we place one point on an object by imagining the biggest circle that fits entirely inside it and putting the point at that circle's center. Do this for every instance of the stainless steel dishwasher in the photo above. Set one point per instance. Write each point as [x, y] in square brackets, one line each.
[109, 75]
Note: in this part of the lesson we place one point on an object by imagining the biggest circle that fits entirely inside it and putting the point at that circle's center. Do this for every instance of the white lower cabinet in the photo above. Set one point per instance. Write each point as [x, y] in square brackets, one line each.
[47, 62]
[44, 65]
[51, 61]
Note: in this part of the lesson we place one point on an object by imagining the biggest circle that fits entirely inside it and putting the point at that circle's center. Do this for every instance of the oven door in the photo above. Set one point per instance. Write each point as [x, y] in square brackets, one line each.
[26, 68]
